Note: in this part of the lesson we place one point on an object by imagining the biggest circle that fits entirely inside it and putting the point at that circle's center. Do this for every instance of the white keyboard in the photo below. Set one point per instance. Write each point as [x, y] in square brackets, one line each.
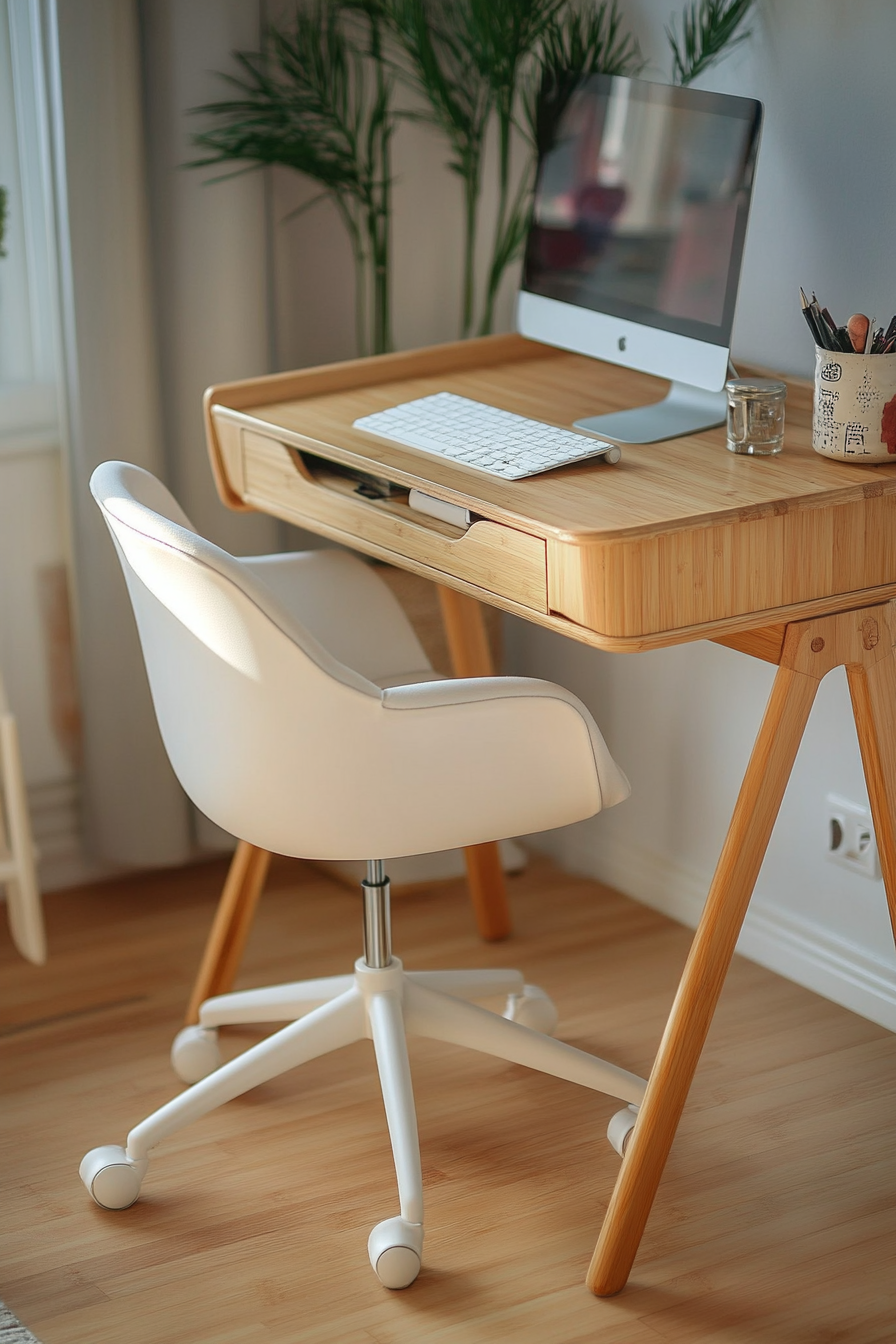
[483, 437]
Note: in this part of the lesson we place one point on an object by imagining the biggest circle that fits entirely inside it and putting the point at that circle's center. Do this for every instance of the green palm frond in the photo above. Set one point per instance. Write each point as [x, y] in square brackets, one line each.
[444, 65]
[570, 43]
[444, 68]
[298, 105]
[503, 33]
[576, 43]
[507, 36]
[709, 28]
[314, 101]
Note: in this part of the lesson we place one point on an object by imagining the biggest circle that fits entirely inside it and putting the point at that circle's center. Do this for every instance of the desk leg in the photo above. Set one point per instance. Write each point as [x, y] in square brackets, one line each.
[230, 929]
[471, 656]
[873, 693]
[748, 835]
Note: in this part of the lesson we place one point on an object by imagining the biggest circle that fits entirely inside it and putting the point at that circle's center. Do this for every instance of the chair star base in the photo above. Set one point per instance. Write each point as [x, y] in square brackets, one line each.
[386, 1004]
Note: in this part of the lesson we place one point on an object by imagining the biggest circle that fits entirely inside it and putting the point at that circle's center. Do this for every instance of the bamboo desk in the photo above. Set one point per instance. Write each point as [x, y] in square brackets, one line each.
[790, 559]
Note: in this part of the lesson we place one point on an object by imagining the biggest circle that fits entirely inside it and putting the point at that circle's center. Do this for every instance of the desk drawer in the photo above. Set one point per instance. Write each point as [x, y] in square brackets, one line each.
[498, 559]
[767, 565]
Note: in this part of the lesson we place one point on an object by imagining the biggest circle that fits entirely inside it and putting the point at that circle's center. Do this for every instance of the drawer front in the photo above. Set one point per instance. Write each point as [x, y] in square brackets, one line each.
[768, 564]
[498, 559]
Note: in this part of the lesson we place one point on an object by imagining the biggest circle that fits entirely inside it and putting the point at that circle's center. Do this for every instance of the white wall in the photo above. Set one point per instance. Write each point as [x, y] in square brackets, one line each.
[682, 721]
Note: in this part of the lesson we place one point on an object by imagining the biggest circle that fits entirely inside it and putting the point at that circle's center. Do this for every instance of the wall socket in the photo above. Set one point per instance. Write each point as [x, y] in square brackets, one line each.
[851, 841]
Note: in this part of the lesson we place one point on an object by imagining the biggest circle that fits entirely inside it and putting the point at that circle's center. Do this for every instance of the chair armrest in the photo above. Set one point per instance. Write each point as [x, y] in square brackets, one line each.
[614, 786]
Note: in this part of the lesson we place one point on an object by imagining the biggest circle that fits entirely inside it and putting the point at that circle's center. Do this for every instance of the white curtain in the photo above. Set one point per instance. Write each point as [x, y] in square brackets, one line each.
[146, 325]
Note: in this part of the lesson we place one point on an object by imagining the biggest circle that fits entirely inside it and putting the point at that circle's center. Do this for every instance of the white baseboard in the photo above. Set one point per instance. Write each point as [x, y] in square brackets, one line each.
[793, 947]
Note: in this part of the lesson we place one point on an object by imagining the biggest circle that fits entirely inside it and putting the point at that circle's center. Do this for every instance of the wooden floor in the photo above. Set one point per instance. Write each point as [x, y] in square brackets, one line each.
[775, 1221]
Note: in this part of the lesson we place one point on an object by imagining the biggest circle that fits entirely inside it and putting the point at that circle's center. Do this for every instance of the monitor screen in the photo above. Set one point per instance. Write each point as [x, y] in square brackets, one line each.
[641, 205]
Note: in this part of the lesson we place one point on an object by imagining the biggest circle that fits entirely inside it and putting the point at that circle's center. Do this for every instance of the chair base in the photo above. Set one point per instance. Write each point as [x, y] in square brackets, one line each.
[384, 1004]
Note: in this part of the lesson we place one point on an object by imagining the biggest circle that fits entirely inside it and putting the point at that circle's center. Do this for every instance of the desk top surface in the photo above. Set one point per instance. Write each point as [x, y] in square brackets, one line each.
[655, 489]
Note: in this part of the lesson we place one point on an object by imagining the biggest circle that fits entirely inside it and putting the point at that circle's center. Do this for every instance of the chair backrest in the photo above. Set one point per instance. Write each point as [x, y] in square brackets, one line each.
[285, 746]
[225, 661]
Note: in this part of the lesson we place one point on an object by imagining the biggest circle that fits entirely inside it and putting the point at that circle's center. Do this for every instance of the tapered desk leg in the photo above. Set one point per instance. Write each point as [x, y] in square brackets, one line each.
[471, 656]
[704, 974]
[864, 641]
[873, 692]
[230, 929]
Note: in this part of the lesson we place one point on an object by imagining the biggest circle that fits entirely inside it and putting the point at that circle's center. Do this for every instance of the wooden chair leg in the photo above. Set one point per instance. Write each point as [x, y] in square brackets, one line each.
[704, 974]
[233, 920]
[471, 656]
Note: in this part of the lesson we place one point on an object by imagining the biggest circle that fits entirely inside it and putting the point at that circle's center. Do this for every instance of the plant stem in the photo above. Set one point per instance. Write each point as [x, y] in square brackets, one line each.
[442, 47]
[318, 100]
[496, 269]
[381, 190]
[471, 208]
[362, 279]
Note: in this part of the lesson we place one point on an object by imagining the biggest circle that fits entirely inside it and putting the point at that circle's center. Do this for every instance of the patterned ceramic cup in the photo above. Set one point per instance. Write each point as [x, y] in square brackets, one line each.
[855, 407]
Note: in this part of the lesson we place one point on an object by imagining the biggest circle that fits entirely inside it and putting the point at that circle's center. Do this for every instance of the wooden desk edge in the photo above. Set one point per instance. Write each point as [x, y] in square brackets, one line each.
[252, 403]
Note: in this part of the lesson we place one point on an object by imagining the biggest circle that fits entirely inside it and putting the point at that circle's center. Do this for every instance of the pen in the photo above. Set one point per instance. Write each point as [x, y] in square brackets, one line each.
[819, 337]
[860, 336]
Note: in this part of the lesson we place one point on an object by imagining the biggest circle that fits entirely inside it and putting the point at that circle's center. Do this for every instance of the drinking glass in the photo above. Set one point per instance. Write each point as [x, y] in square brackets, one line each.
[755, 415]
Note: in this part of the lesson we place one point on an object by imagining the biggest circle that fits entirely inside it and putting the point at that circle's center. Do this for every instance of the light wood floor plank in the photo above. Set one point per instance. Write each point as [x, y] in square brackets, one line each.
[775, 1221]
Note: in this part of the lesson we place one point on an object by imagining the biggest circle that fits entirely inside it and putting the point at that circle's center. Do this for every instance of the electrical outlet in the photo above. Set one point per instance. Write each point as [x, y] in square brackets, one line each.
[851, 841]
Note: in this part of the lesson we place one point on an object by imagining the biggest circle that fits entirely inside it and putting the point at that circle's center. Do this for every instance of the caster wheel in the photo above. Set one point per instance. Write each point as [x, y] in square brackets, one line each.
[195, 1053]
[395, 1248]
[111, 1177]
[620, 1126]
[533, 1009]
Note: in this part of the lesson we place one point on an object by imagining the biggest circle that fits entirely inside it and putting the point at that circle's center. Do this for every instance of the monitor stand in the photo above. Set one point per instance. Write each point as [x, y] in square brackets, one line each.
[684, 410]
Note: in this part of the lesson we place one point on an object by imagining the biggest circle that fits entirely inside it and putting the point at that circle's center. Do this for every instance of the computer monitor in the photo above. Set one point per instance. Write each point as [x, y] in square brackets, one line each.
[635, 246]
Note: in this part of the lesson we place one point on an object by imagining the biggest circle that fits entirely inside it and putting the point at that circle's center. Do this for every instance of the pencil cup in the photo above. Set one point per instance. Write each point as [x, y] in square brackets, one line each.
[854, 416]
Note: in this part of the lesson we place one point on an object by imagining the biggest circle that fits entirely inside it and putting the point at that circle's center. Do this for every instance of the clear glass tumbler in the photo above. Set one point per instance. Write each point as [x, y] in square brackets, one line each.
[755, 415]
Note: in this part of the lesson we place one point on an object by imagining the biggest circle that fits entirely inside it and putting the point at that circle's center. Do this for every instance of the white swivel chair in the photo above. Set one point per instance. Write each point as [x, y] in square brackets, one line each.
[300, 714]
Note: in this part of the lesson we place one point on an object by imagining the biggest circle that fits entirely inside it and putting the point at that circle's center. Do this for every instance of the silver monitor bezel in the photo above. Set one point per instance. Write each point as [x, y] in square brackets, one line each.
[639, 344]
